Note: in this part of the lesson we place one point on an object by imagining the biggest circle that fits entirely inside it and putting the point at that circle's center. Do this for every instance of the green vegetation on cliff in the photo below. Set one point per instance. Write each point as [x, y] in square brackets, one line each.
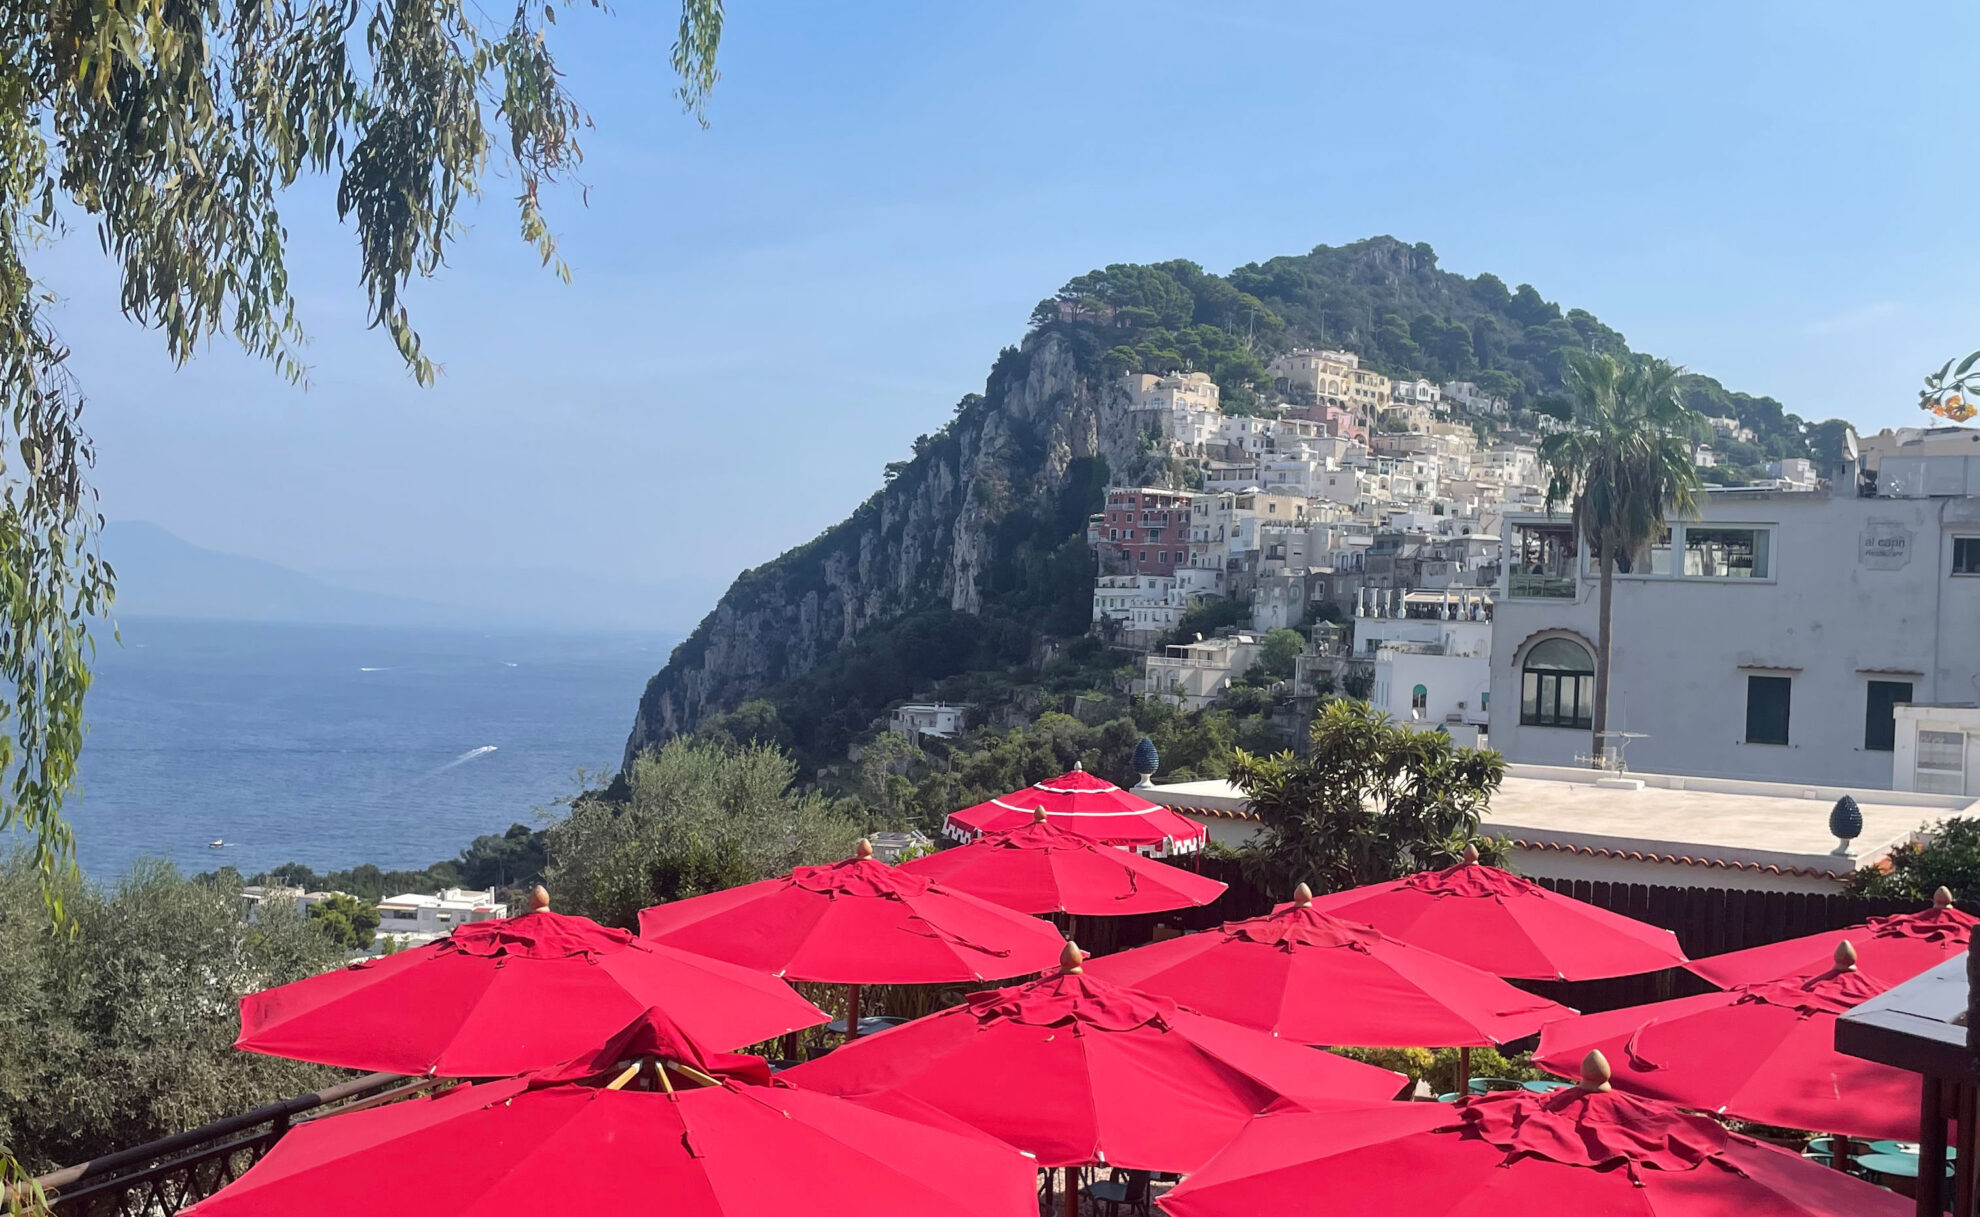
[1386, 302]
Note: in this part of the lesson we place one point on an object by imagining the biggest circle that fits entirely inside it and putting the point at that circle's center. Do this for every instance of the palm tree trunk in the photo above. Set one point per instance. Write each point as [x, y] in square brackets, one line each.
[1603, 633]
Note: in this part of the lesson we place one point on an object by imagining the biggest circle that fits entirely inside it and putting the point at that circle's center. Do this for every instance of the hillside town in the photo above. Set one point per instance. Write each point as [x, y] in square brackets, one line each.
[1803, 627]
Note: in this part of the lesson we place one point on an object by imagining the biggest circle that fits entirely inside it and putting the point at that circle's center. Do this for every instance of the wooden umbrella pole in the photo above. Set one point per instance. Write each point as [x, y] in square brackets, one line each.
[1072, 1191]
[852, 1011]
[1464, 1072]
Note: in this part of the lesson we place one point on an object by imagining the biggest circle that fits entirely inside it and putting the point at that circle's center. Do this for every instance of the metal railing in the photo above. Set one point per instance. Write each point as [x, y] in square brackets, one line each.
[161, 1177]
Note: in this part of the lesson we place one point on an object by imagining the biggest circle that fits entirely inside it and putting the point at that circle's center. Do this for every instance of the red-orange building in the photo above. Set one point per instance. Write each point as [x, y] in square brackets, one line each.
[1144, 531]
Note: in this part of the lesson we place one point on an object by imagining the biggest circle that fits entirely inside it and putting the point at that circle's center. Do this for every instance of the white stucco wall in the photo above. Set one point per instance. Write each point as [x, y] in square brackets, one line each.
[1837, 610]
[1447, 680]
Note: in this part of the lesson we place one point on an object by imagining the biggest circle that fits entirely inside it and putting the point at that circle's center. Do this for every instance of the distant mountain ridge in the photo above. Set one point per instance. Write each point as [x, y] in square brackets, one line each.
[971, 558]
[162, 575]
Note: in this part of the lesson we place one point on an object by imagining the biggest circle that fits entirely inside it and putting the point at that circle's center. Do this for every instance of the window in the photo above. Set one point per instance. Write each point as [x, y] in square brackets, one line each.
[1543, 558]
[1419, 698]
[1879, 720]
[1767, 699]
[1557, 685]
[1653, 559]
[1966, 556]
[1726, 553]
[1941, 765]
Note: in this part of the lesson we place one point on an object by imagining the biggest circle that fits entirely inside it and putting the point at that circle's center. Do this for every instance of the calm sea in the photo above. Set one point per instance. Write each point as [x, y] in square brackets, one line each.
[334, 746]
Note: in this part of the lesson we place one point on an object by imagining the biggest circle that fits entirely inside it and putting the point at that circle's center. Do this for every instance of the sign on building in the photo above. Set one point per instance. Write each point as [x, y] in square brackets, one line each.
[1884, 545]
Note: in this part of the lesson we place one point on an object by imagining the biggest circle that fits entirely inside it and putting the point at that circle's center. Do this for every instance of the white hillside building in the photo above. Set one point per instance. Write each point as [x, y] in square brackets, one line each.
[1770, 639]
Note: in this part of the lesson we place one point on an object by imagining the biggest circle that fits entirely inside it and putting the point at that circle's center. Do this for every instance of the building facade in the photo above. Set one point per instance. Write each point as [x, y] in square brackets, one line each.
[1771, 638]
[1144, 531]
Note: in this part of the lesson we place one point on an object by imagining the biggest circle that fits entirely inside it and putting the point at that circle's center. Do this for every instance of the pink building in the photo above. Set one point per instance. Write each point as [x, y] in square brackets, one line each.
[1339, 418]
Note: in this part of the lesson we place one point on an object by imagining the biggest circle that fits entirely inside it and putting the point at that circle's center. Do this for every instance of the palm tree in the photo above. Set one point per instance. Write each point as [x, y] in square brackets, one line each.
[1623, 465]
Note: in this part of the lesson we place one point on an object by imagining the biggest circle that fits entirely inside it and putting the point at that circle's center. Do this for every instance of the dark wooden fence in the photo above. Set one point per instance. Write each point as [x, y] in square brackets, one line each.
[1706, 920]
[162, 1177]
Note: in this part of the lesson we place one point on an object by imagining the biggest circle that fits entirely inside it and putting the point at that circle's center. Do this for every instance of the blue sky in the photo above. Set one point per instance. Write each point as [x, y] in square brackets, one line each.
[767, 311]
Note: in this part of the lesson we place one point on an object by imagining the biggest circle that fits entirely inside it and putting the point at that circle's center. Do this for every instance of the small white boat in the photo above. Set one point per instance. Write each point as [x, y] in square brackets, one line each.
[216, 843]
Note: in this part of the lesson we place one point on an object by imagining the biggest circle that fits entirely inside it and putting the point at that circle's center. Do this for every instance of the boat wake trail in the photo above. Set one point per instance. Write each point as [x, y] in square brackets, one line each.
[463, 759]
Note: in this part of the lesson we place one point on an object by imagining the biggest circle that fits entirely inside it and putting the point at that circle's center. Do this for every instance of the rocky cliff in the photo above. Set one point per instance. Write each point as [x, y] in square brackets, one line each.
[967, 568]
[932, 538]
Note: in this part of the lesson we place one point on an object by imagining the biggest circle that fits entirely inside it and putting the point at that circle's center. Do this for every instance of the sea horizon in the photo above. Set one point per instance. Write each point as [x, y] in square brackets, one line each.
[335, 745]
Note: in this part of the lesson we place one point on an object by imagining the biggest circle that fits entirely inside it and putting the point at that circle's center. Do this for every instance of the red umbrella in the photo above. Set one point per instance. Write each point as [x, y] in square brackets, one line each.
[1761, 1052]
[1891, 949]
[1506, 925]
[1581, 1151]
[648, 1125]
[503, 997]
[857, 922]
[1321, 980]
[1092, 807]
[1044, 868]
[1080, 1072]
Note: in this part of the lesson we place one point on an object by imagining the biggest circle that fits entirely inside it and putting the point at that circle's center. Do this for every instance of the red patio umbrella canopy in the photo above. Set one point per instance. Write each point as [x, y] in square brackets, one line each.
[1078, 1071]
[1508, 926]
[503, 997]
[1321, 980]
[546, 1143]
[1577, 1151]
[1761, 1052]
[1092, 807]
[1890, 949]
[857, 922]
[1044, 868]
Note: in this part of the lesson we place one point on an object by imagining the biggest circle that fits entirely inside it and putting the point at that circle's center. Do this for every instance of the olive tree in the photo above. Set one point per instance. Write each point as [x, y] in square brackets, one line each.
[695, 817]
[172, 130]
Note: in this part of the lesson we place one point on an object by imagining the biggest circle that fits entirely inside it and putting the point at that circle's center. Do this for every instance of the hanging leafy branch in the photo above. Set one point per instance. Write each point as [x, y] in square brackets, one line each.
[173, 129]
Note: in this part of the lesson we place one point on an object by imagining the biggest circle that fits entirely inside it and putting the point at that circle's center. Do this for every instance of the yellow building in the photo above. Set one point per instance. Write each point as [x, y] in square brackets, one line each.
[1369, 389]
[1325, 374]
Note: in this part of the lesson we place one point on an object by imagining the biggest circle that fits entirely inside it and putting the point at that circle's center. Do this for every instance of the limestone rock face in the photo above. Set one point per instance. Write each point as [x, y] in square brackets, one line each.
[925, 540]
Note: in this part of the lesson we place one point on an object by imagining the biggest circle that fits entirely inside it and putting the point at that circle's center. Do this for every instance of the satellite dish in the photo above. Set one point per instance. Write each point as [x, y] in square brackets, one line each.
[1849, 443]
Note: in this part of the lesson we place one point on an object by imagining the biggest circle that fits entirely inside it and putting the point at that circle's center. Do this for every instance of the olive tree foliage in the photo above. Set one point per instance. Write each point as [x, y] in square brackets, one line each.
[696, 817]
[123, 1032]
[171, 129]
[1370, 801]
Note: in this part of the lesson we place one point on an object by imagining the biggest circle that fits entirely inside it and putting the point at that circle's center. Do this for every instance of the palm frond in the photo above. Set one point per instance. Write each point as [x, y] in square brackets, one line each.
[1625, 466]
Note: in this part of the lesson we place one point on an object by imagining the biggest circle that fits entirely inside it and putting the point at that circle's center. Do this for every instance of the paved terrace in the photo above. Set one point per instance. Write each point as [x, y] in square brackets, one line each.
[1654, 828]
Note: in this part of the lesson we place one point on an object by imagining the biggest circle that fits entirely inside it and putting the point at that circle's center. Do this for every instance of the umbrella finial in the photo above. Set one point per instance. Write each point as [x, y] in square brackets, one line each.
[1038, 815]
[1845, 956]
[1595, 1071]
[1471, 855]
[1302, 896]
[863, 850]
[1072, 958]
[1079, 766]
[1942, 899]
[539, 899]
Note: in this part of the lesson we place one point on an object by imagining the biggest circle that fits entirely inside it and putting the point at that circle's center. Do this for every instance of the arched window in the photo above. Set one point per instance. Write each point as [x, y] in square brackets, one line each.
[1557, 685]
[1419, 698]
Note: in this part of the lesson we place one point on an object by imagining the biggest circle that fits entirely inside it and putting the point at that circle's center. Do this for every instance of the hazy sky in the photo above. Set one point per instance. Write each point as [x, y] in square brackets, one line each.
[766, 312]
